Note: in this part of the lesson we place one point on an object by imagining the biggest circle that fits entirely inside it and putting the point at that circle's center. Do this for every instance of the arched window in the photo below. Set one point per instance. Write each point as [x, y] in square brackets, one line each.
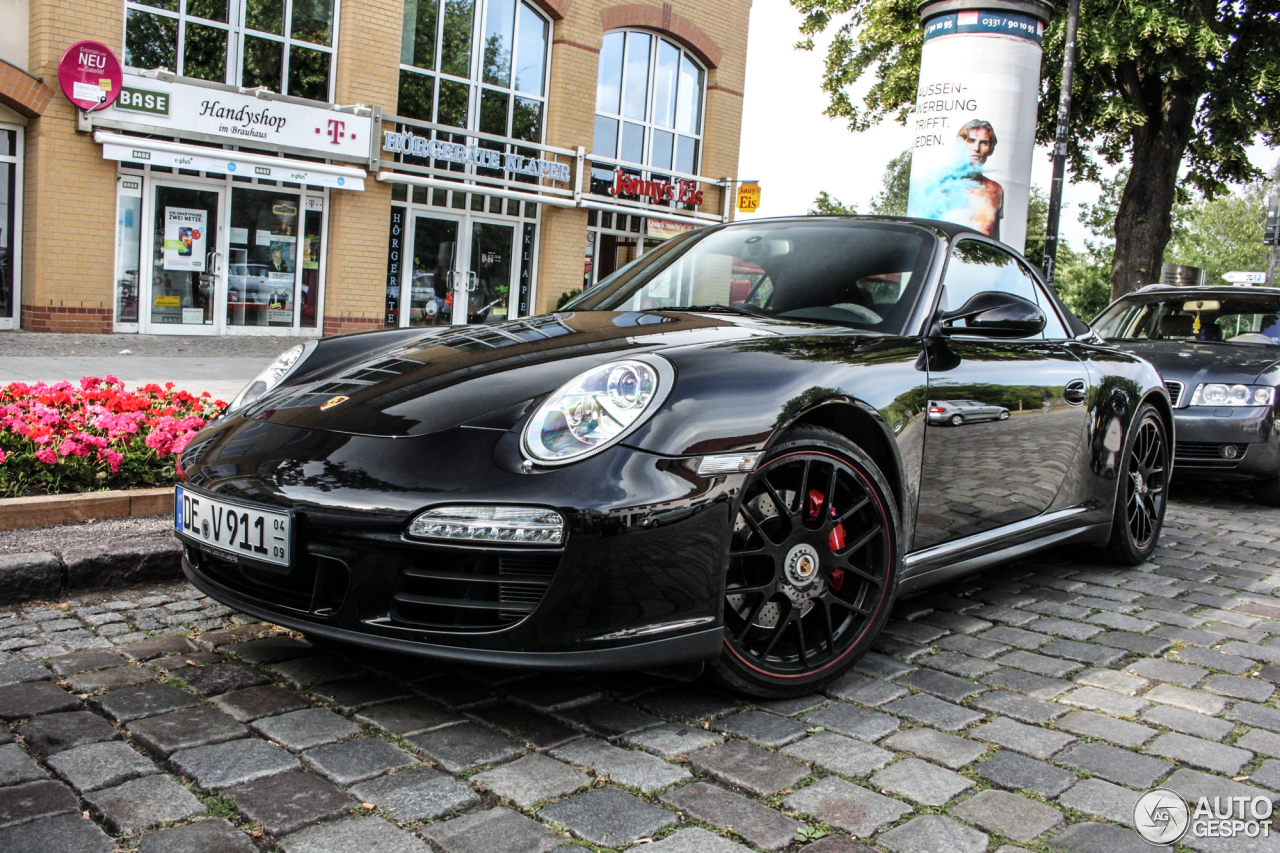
[475, 64]
[649, 102]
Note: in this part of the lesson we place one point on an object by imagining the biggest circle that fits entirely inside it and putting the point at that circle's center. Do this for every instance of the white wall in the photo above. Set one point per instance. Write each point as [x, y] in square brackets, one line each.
[16, 16]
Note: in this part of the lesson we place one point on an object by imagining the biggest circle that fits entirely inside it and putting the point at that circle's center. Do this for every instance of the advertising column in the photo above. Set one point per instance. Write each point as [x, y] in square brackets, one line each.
[975, 118]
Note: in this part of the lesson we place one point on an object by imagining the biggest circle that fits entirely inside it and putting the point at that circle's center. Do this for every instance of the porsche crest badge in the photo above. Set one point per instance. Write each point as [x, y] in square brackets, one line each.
[334, 401]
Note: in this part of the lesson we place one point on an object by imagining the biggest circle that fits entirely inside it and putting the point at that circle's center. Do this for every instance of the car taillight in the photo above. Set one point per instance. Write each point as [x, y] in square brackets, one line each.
[936, 410]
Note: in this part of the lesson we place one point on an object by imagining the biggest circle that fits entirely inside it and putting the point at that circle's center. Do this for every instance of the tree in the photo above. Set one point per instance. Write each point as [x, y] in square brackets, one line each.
[1222, 234]
[1037, 222]
[892, 200]
[826, 205]
[1159, 85]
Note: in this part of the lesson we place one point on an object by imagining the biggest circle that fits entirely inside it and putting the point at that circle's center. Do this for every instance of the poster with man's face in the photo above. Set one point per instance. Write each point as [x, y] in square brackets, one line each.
[974, 122]
[185, 235]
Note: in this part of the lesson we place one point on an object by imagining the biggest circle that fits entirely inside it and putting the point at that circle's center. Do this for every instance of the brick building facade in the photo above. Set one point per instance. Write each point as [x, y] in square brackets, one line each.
[495, 155]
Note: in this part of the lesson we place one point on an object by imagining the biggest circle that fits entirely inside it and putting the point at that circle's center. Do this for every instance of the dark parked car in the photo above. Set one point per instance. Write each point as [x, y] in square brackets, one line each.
[654, 475]
[1218, 350]
[959, 412]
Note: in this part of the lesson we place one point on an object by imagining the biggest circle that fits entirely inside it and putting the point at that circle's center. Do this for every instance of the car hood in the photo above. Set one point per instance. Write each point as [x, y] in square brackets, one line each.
[1192, 362]
[458, 375]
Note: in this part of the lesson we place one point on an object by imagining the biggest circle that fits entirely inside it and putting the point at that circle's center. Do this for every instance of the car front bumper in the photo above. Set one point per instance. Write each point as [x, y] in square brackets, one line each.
[1202, 432]
[638, 580]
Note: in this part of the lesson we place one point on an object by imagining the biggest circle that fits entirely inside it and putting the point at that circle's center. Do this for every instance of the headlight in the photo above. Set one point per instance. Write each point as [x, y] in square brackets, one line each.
[1218, 394]
[519, 524]
[596, 409]
[272, 376]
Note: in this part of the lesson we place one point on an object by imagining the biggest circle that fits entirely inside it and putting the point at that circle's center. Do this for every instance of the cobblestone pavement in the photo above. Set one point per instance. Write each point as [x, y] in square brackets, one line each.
[1023, 709]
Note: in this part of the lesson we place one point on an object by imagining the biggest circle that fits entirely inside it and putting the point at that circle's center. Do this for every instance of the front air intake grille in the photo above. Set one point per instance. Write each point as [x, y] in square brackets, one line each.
[1200, 454]
[1175, 391]
[471, 590]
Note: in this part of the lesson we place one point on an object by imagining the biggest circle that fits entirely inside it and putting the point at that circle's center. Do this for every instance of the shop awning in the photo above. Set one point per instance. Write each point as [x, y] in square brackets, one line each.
[176, 155]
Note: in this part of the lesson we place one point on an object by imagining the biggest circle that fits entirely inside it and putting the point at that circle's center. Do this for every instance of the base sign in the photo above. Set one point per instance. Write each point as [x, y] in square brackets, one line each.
[975, 119]
[90, 75]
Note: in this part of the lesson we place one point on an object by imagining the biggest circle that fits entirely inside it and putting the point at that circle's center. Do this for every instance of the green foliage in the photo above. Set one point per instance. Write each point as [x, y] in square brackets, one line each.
[1083, 280]
[826, 205]
[892, 199]
[566, 297]
[1222, 234]
[1037, 222]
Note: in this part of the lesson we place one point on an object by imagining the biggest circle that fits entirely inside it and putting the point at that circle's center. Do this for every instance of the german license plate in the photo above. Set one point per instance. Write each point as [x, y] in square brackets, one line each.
[232, 528]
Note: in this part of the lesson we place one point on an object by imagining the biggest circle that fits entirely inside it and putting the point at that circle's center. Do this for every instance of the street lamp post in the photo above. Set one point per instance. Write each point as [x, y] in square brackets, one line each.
[1060, 143]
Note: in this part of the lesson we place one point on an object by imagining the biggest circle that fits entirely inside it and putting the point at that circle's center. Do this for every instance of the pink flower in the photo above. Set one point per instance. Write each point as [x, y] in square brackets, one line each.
[112, 458]
[2, 457]
[46, 455]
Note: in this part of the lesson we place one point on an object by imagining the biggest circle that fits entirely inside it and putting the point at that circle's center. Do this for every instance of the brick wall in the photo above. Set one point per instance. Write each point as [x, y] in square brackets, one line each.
[368, 72]
[69, 191]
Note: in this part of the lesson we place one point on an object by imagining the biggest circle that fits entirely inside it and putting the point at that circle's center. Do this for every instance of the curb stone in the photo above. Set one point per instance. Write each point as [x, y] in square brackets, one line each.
[45, 575]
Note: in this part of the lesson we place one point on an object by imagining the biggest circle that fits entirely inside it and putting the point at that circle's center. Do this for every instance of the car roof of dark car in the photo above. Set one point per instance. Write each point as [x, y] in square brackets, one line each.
[1165, 290]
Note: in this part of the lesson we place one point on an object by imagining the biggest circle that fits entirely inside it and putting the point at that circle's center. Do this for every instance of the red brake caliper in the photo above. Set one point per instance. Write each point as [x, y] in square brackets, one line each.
[835, 541]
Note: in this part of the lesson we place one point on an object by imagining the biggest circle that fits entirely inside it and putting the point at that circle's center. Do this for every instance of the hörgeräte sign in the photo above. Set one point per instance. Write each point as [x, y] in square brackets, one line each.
[974, 121]
[408, 142]
[242, 119]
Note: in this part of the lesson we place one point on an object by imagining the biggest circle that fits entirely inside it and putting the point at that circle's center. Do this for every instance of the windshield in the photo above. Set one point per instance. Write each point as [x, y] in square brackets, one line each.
[865, 275]
[1249, 318]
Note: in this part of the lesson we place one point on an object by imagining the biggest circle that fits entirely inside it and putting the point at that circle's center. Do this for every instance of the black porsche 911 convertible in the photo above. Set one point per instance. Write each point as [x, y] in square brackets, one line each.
[721, 453]
[1218, 350]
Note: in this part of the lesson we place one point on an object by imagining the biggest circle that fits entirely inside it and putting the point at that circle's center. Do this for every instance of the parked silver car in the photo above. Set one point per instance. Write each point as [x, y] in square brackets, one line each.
[957, 412]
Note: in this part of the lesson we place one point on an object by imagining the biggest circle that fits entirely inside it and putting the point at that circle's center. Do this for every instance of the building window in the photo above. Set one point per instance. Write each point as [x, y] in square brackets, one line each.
[283, 45]
[648, 103]
[477, 65]
[10, 223]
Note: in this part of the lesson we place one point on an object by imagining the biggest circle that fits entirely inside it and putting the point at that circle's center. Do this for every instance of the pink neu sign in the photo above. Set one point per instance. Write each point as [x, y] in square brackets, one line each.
[90, 75]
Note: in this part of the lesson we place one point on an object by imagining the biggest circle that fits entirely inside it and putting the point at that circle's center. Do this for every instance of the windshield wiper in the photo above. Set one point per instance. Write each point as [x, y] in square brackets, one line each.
[721, 309]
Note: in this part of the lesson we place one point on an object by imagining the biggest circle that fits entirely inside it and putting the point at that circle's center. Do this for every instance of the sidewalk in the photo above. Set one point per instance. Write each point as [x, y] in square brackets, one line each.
[219, 365]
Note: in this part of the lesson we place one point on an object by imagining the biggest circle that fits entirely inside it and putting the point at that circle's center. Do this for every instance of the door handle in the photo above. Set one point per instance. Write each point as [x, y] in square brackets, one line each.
[473, 281]
[1074, 392]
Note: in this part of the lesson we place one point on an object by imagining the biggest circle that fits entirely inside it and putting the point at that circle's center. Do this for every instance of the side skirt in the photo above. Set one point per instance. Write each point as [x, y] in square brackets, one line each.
[974, 553]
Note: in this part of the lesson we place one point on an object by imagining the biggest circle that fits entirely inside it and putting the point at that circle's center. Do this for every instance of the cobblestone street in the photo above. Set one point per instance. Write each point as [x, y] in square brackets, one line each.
[1022, 709]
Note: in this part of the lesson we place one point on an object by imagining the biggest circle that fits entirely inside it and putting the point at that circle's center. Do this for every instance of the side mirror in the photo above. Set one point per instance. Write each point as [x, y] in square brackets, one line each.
[993, 314]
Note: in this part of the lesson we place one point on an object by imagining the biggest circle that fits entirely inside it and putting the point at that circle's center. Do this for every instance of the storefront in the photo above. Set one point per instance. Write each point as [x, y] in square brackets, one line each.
[216, 240]
[344, 169]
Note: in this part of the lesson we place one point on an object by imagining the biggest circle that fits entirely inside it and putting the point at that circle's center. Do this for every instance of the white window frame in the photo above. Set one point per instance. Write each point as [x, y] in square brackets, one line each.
[475, 82]
[236, 32]
[648, 123]
[15, 321]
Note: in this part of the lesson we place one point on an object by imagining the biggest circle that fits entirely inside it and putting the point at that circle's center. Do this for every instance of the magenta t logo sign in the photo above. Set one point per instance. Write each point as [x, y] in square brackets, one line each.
[336, 132]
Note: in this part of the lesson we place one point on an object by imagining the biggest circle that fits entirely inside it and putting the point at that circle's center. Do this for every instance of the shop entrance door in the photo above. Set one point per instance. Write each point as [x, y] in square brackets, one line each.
[491, 280]
[463, 272]
[187, 267]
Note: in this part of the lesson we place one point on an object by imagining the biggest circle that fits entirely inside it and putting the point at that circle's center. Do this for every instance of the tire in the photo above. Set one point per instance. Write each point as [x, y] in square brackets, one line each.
[812, 570]
[1004, 416]
[956, 420]
[1267, 491]
[1140, 500]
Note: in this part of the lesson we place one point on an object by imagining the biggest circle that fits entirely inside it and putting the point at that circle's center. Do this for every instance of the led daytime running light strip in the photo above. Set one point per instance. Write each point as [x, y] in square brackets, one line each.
[514, 524]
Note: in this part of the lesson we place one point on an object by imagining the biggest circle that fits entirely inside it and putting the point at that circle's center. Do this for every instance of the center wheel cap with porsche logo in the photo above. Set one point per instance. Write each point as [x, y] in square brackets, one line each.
[802, 565]
[333, 401]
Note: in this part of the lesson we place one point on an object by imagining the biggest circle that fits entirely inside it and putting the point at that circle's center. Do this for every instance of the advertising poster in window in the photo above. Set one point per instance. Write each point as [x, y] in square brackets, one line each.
[974, 122]
[184, 238]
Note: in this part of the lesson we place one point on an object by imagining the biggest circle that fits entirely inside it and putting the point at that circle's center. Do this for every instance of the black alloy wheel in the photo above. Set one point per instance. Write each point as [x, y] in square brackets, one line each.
[1142, 492]
[812, 566]
[956, 420]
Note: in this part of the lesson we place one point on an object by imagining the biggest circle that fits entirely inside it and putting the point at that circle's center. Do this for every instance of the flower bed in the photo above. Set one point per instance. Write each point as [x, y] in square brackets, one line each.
[56, 439]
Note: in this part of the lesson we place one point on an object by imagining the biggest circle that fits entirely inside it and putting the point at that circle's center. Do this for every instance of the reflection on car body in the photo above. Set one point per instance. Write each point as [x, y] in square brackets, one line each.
[959, 412]
[1218, 350]
[721, 453]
